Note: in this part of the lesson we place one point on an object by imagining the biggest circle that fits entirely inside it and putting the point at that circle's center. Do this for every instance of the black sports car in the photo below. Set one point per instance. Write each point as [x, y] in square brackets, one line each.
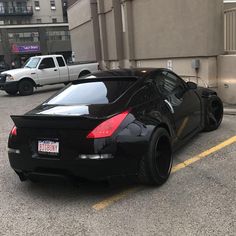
[113, 123]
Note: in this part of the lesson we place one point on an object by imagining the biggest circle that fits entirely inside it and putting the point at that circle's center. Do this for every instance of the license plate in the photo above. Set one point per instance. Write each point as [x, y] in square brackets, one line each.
[48, 147]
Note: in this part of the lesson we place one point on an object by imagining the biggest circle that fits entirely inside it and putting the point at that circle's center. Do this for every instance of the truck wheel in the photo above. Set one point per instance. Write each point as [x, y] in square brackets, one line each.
[11, 91]
[26, 87]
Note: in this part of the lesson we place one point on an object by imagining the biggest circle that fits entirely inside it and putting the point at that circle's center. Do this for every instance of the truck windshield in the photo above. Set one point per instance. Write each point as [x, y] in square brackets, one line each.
[32, 63]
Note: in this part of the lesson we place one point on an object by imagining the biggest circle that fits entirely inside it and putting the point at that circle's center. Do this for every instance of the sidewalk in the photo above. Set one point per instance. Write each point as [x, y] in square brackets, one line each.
[229, 109]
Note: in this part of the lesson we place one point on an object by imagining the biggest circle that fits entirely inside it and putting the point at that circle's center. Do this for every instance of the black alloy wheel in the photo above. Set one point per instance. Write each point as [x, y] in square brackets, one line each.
[214, 114]
[155, 166]
[26, 87]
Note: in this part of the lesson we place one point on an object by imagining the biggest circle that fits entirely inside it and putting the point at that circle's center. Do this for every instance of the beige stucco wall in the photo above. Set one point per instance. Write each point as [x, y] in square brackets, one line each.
[227, 78]
[111, 40]
[229, 5]
[81, 29]
[153, 31]
[183, 28]
[183, 66]
[83, 52]
[161, 28]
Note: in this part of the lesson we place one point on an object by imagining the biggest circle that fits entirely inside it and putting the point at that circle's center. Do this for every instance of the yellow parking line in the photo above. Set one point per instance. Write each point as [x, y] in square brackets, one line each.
[204, 154]
[110, 200]
[107, 202]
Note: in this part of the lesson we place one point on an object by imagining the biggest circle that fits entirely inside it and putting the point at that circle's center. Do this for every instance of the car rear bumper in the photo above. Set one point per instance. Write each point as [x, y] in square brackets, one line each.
[87, 169]
[118, 155]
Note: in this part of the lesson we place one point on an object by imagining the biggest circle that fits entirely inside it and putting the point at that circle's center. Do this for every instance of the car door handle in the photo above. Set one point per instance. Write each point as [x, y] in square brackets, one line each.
[55, 69]
[170, 106]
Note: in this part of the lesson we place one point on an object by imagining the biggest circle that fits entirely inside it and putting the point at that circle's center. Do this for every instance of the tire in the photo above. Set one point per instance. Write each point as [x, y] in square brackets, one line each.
[155, 166]
[34, 179]
[214, 113]
[26, 87]
[21, 176]
[11, 91]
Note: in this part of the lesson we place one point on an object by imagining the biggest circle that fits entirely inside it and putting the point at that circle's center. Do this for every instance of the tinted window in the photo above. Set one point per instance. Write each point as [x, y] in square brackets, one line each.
[60, 62]
[146, 94]
[167, 83]
[99, 92]
[48, 62]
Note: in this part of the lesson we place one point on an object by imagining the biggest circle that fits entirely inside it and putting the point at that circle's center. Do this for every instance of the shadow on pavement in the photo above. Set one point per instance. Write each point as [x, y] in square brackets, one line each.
[63, 189]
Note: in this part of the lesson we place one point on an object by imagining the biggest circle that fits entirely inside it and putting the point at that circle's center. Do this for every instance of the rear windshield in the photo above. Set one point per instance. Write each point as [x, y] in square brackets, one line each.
[99, 92]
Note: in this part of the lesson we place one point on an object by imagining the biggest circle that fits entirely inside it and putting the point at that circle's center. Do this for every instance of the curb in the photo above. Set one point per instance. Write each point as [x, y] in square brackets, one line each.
[229, 111]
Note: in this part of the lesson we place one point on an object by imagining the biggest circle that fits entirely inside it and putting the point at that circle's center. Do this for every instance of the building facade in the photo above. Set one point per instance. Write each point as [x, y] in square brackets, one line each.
[179, 35]
[29, 28]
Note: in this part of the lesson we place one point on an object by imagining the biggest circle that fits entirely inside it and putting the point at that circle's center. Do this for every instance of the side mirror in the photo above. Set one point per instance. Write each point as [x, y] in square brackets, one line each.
[191, 85]
[42, 66]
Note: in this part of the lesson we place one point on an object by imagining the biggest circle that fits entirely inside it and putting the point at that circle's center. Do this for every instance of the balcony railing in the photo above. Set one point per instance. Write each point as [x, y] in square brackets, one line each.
[16, 11]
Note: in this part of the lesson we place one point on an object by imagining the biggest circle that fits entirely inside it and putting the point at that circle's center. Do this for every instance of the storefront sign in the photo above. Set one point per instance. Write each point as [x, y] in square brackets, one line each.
[25, 48]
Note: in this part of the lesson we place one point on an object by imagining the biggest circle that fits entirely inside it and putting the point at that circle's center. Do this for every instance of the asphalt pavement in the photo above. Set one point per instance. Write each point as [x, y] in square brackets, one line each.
[198, 199]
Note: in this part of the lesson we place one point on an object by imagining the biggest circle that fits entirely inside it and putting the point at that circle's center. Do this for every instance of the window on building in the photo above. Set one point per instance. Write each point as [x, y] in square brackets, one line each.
[36, 5]
[39, 20]
[53, 5]
[62, 35]
[21, 7]
[54, 20]
[2, 8]
[16, 37]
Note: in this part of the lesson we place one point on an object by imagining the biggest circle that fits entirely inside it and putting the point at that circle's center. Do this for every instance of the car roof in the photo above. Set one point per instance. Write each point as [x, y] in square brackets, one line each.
[137, 72]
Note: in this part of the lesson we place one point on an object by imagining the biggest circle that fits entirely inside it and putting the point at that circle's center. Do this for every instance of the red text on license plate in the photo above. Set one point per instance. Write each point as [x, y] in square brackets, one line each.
[49, 147]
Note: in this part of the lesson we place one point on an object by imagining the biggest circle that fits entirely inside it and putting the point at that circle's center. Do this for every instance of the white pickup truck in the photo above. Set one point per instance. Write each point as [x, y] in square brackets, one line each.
[42, 70]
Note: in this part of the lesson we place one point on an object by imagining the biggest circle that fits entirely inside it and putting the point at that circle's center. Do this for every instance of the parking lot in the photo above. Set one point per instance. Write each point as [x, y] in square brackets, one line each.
[198, 199]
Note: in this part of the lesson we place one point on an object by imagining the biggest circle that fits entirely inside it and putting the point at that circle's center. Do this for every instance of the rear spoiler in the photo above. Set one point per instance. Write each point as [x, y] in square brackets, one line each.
[55, 122]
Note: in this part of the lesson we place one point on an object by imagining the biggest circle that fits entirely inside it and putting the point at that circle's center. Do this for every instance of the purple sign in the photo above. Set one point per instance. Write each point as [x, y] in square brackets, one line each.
[25, 48]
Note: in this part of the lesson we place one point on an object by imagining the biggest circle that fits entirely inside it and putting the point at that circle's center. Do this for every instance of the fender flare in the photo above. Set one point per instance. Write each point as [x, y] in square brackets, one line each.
[27, 78]
[84, 72]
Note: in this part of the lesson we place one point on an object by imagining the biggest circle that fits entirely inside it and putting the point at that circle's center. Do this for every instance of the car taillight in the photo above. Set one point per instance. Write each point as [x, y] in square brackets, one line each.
[108, 127]
[14, 131]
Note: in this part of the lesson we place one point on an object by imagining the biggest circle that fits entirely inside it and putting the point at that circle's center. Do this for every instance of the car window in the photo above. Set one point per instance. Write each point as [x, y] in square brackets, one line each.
[48, 62]
[32, 63]
[145, 94]
[168, 83]
[60, 62]
[98, 92]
